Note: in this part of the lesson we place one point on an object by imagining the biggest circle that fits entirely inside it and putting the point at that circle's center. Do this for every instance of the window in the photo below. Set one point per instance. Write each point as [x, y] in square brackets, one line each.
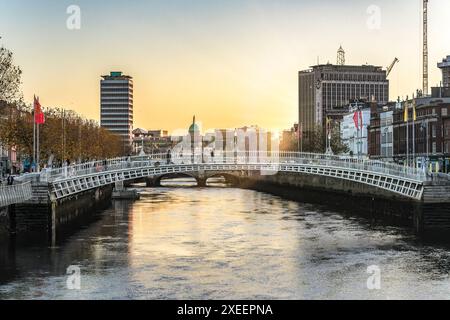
[434, 147]
[444, 112]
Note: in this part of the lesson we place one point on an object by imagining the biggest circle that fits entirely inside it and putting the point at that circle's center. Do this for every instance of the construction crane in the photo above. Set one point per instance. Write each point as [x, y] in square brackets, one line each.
[389, 69]
[425, 47]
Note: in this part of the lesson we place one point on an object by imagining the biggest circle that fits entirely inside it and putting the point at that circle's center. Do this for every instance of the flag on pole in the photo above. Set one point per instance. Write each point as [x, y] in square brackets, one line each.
[356, 119]
[414, 110]
[405, 117]
[38, 113]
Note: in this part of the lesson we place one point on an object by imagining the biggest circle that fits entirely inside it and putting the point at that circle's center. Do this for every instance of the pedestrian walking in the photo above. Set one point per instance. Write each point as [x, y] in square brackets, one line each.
[10, 180]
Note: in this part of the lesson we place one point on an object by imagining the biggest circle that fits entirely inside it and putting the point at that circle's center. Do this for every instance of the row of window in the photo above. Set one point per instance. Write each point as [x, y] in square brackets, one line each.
[116, 85]
[353, 77]
[111, 90]
[113, 95]
[105, 106]
[337, 95]
[115, 101]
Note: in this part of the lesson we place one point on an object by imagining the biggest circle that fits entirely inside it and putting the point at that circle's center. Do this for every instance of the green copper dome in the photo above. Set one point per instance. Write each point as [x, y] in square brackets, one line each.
[194, 127]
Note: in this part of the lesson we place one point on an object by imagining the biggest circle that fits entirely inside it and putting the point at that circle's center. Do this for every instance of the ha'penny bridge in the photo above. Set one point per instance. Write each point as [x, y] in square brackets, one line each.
[47, 192]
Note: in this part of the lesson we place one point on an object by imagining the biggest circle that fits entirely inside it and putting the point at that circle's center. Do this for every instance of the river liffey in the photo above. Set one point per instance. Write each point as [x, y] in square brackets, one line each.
[183, 242]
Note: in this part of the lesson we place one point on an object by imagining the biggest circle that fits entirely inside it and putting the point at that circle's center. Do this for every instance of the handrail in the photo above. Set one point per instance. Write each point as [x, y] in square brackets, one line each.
[16, 193]
[238, 157]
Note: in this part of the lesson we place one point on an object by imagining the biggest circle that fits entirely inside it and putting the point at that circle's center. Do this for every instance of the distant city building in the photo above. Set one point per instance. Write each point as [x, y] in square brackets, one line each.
[445, 67]
[289, 141]
[356, 138]
[326, 90]
[158, 133]
[381, 131]
[116, 111]
[224, 140]
[253, 138]
[427, 142]
[153, 141]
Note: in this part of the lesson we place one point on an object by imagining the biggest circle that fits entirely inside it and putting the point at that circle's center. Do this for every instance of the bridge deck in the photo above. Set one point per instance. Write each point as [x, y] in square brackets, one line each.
[404, 181]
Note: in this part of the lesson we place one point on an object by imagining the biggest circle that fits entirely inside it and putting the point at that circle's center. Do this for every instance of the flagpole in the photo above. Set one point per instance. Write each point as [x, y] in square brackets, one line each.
[407, 142]
[300, 132]
[414, 132]
[37, 150]
[414, 142]
[34, 139]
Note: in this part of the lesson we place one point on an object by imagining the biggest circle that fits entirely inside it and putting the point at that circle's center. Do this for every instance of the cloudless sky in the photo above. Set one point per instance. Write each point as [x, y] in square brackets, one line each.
[230, 62]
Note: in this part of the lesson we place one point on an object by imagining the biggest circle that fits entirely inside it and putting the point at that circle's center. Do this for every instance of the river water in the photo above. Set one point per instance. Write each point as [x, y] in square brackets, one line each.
[182, 242]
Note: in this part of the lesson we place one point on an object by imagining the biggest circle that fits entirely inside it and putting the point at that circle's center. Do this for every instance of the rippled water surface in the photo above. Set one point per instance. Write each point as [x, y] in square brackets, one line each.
[224, 243]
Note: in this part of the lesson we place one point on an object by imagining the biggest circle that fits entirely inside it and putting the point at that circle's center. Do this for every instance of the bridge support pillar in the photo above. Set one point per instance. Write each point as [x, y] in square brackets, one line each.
[201, 182]
[152, 182]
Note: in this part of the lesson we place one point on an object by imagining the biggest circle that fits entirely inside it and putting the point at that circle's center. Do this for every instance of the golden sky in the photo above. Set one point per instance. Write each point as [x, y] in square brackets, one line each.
[231, 63]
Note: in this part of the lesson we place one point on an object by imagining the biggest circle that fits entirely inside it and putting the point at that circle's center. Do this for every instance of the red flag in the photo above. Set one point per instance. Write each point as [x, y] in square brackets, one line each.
[38, 114]
[356, 119]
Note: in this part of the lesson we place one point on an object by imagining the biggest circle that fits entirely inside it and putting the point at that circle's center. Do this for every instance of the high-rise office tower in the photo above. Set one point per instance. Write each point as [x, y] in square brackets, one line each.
[325, 89]
[116, 111]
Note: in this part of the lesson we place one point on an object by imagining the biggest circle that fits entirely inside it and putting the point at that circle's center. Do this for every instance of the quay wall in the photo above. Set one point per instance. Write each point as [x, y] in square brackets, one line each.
[428, 216]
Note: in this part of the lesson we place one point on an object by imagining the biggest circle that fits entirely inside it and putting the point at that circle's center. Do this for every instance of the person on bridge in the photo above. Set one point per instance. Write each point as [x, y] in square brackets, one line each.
[169, 156]
[10, 180]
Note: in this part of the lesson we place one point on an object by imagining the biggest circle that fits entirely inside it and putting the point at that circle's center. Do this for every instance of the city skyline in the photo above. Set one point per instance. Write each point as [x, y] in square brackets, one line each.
[199, 152]
[193, 59]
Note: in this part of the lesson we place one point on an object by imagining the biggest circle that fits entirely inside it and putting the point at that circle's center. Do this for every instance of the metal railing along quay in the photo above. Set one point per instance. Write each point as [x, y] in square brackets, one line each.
[16, 193]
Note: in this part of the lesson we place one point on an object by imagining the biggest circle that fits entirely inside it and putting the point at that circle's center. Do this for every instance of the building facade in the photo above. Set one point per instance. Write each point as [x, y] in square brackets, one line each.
[116, 111]
[328, 89]
[381, 131]
[445, 67]
[423, 142]
[356, 139]
[151, 141]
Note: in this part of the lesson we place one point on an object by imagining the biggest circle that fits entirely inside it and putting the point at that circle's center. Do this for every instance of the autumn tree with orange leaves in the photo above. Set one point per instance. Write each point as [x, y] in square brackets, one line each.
[64, 135]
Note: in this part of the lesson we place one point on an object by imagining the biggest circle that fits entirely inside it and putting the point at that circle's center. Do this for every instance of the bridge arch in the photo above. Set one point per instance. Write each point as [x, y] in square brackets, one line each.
[155, 181]
[230, 177]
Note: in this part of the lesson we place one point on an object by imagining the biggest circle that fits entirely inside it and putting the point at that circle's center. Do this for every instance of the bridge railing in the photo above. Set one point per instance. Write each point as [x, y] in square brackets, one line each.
[237, 157]
[15, 194]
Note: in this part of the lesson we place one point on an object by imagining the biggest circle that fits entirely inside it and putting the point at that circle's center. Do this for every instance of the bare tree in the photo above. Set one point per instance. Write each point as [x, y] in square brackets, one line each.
[10, 77]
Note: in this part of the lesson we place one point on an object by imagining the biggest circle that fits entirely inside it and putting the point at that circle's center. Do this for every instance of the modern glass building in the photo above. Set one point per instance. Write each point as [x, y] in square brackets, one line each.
[116, 111]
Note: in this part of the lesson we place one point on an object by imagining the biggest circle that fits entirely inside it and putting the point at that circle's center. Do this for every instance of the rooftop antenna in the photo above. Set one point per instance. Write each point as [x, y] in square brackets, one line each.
[341, 57]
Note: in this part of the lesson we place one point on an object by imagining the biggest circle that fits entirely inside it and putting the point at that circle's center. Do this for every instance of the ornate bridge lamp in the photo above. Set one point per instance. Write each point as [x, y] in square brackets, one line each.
[142, 153]
[329, 151]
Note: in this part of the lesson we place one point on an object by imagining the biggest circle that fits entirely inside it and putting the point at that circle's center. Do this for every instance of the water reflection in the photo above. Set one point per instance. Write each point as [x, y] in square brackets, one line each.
[223, 243]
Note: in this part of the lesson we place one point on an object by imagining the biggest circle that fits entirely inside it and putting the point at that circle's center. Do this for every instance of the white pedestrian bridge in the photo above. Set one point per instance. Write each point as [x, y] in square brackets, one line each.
[73, 179]
[16, 193]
